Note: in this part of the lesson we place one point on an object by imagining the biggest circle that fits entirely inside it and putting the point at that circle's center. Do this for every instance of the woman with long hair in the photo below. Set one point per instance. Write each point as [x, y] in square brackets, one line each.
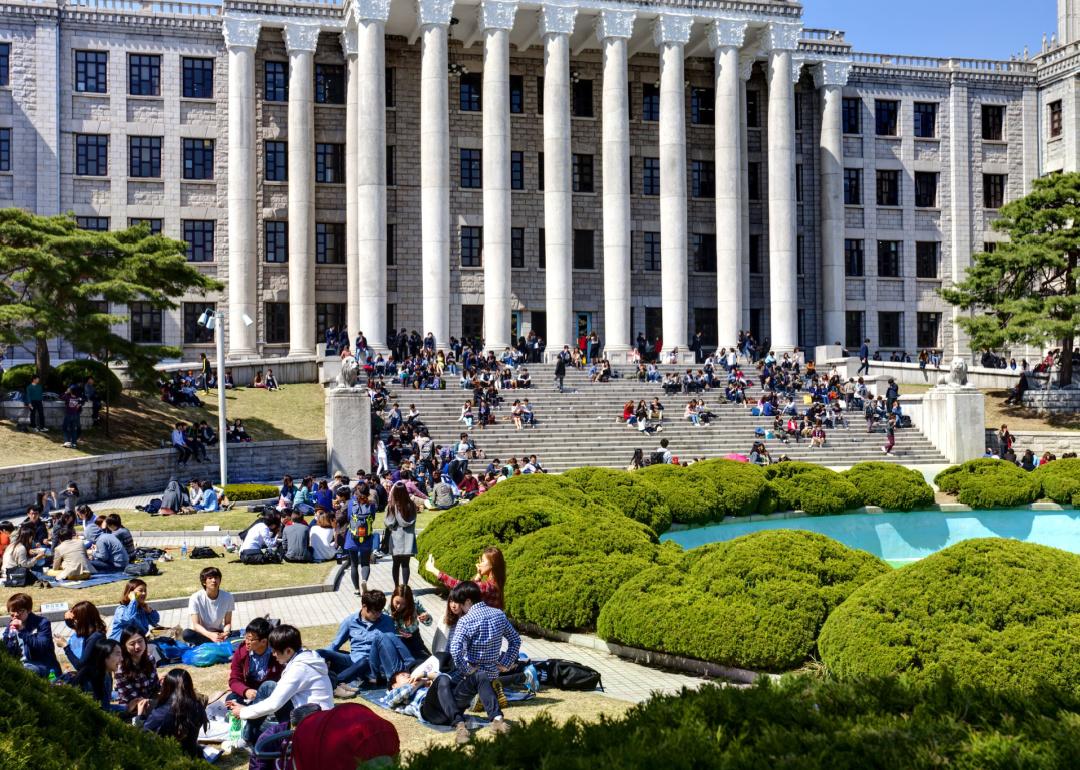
[637, 461]
[137, 683]
[490, 576]
[85, 620]
[408, 614]
[359, 537]
[179, 712]
[400, 520]
[21, 552]
[102, 661]
[134, 612]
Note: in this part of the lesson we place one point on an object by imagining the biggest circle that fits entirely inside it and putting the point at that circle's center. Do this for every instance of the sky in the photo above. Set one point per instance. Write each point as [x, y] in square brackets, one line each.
[979, 29]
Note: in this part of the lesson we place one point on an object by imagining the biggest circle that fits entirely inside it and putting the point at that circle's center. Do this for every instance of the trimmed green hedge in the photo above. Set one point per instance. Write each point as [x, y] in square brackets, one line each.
[813, 489]
[890, 486]
[626, 492]
[45, 727]
[64, 375]
[993, 612]
[740, 485]
[800, 722]
[755, 602]
[692, 497]
[239, 492]
[989, 483]
[1060, 480]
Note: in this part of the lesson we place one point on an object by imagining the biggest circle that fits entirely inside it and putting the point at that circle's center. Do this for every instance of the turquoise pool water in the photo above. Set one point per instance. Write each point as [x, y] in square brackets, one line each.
[899, 538]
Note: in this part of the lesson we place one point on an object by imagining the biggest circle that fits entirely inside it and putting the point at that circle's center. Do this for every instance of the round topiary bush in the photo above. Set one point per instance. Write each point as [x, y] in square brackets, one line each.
[17, 378]
[991, 612]
[691, 497]
[740, 486]
[239, 492]
[755, 602]
[72, 372]
[563, 574]
[625, 492]
[989, 483]
[890, 486]
[813, 489]
[1060, 480]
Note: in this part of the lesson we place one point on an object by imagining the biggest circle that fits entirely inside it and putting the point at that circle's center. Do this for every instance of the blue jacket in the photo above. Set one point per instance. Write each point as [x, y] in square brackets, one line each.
[111, 553]
[34, 641]
[864, 351]
[131, 615]
[78, 648]
[361, 634]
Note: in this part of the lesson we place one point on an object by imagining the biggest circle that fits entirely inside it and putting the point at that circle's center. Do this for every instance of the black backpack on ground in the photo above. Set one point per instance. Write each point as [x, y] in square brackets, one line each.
[567, 675]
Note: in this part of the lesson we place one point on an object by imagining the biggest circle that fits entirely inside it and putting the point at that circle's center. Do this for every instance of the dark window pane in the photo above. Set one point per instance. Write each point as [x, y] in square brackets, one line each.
[517, 170]
[753, 180]
[329, 163]
[154, 223]
[928, 332]
[517, 94]
[276, 157]
[144, 156]
[517, 247]
[97, 224]
[888, 255]
[329, 84]
[277, 322]
[5, 64]
[581, 105]
[650, 102]
[852, 115]
[926, 120]
[703, 249]
[391, 93]
[91, 155]
[886, 114]
[276, 81]
[1055, 118]
[993, 191]
[198, 159]
[926, 184]
[329, 243]
[145, 322]
[584, 246]
[199, 234]
[5, 149]
[472, 246]
[277, 241]
[890, 329]
[472, 177]
[853, 257]
[753, 109]
[144, 74]
[652, 251]
[583, 173]
[755, 255]
[470, 93]
[194, 332]
[198, 77]
[888, 188]
[650, 177]
[330, 314]
[703, 179]
[702, 106]
[993, 122]
[853, 329]
[853, 186]
[92, 71]
[927, 258]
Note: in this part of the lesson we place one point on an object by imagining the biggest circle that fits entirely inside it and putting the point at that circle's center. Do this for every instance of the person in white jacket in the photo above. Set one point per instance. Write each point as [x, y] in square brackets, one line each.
[304, 679]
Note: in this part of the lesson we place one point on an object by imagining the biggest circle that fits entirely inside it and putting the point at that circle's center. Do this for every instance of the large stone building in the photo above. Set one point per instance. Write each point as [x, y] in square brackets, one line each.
[494, 166]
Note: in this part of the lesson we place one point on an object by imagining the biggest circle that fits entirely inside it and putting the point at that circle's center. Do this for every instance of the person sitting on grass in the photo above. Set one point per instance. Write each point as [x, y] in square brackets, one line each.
[85, 620]
[116, 527]
[254, 673]
[321, 538]
[408, 614]
[178, 712]
[109, 553]
[297, 539]
[261, 541]
[134, 612]
[375, 651]
[21, 553]
[209, 610]
[95, 677]
[208, 500]
[70, 561]
[137, 683]
[28, 637]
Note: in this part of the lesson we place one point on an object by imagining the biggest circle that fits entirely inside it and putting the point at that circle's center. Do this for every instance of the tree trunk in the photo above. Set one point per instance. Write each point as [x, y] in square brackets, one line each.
[1066, 376]
[41, 358]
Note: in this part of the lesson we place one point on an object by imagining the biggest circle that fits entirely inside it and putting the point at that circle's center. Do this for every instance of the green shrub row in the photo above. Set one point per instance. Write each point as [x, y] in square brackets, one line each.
[1060, 480]
[240, 492]
[800, 722]
[989, 483]
[814, 489]
[890, 486]
[61, 377]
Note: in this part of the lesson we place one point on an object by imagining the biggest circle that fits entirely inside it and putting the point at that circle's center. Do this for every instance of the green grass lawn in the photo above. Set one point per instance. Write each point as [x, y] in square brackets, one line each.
[142, 421]
[235, 519]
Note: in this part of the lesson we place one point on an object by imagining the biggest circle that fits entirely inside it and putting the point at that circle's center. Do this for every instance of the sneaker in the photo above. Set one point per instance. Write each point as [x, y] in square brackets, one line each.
[497, 686]
[461, 734]
[344, 691]
[500, 727]
[67, 445]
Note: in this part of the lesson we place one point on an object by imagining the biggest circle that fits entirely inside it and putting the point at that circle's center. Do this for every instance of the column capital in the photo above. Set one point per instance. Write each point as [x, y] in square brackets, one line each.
[725, 33]
[797, 63]
[782, 36]
[831, 72]
[615, 23]
[746, 65]
[348, 42]
[672, 28]
[557, 19]
[497, 14]
[434, 12]
[240, 33]
[301, 38]
[371, 10]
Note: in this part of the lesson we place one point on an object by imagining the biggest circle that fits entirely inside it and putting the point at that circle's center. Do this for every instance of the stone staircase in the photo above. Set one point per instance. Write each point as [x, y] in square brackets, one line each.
[583, 426]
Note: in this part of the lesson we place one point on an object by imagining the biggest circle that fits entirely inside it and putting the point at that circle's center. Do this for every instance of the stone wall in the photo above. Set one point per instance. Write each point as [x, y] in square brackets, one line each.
[1053, 401]
[911, 374]
[131, 473]
[286, 369]
[1038, 442]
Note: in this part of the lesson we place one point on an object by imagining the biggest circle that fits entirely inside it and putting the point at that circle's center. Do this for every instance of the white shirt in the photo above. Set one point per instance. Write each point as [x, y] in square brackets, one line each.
[322, 543]
[211, 612]
[258, 538]
[303, 681]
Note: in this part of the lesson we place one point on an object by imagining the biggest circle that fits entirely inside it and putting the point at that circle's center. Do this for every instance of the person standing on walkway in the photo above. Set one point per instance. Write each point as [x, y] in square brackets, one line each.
[401, 526]
[205, 364]
[360, 537]
[864, 358]
[35, 392]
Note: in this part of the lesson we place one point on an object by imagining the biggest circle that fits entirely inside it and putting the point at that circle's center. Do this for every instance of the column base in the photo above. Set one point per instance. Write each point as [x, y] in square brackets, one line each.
[240, 354]
[619, 354]
[302, 353]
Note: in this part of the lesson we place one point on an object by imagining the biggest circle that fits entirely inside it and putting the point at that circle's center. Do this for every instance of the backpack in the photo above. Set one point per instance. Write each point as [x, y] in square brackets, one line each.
[203, 552]
[567, 675]
[141, 569]
[656, 458]
[151, 507]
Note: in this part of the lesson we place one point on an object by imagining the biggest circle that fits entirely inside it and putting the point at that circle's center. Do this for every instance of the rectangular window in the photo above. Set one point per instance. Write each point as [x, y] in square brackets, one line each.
[703, 106]
[852, 186]
[928, 330]
[276, 161]
[470, 93]
[852, 115]
[650, 102]
[888, 259]
[198, 76]
[97, 224]
[993, 122]
[926, 184]
[853, 258]
[753, 109]
[330, 163]
[756, 326]
[886, 116]
[853, 329]
[800, 255]
[753, 180]
[5, 64]
[926, 120]
[703, 250]
[1055, 118]
[652, 252]
[993, 191]
[144, 74]
[194, 332]
[583, 173]
[650, 176]
[92, 72]
[144, 156]
[584, 250]
[517, 94]
[890, 329]
[276, 81]
[329, 243]
[471, 169]
[927, 259]
[798, 183]
[754, 255]
[581, 94]
[391, 245]
[277, 241]
[540, 95]
[5, 149]
[540, 171]
[517, 247]
[472, 321]
[517, 170]
[542, 248]
[703, 179]
[472, 246]
[277, 323]
[798, 105]
[145, 322]
[989, 247]
[391, 94]
[329, 84]
[199, 234]
[888, 187]
[91, 155]
[391, 166]
[198, 159]
[330, 314]
[154, 223]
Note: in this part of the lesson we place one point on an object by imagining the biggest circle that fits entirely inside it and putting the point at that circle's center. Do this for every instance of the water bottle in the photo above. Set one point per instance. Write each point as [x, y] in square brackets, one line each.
[235, 730]
[52, 677]
[183, 550]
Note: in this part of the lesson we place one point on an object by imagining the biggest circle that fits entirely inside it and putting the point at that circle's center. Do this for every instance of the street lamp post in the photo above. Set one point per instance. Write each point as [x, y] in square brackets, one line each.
[214, 320]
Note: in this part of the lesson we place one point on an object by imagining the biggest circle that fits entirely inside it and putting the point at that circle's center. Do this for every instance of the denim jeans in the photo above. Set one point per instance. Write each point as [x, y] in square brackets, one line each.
[386, 656]
[252, 727]
[71, 428]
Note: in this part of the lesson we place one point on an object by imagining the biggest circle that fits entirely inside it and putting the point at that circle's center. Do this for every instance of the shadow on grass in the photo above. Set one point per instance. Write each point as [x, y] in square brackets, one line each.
[1061, 421]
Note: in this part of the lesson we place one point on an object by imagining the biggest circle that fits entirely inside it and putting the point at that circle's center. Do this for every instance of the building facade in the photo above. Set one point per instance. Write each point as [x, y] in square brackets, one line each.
[487, 167]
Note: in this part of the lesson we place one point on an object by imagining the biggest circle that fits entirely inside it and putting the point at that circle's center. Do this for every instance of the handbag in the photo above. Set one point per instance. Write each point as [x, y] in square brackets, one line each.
[19, 577]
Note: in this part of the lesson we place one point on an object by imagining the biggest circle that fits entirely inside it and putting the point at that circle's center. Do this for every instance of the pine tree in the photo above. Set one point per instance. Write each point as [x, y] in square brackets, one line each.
[55, 281]
[1027, 291]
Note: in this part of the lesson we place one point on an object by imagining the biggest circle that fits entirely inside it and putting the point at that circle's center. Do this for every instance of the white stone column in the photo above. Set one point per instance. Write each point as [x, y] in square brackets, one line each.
[370, 17]
[783, 281]
[614, 29]
[671, 34]
[726, 38]
[556, 26]
[830, 78]
[434, 18]
[241, 38]
[301, 40]
[352, 121]
[496, 20]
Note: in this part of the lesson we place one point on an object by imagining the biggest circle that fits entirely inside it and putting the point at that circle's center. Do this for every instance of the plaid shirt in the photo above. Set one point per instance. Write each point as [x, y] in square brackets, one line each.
[135, 684]
[477, 641]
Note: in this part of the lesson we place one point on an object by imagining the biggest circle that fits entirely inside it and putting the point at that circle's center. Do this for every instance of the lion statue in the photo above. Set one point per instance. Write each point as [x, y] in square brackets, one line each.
[958, 373]
[349, 375]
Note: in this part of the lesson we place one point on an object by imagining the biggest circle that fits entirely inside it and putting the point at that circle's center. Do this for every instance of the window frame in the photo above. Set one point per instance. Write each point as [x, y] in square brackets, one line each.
[144, 74]
[926, 198]
[97, 81]
[276, 323]
[275, 81]
[475, 176]
[329, 85]
[894, 316]
[650, 103]
[276, 241]
[517, 248]
[517, 170]
[470, 92]
[583, 250]
[890, 258]
[854, 258]
[83, 146]
[197, 77]
[473, 237]
[923, 260]
[703, 179]
[853, 195]
[703, 252]
[147, 319]
[887, 117]
[583, 173]
[988, 122]
[650, 177]
[1055, 118]
[329, 163]
[199, 159]
[851, 116]
[275, 151]
[329, 243]
[5, 63]
[995, 189]
[517, 94]
[924, 112]
[651, 250]
[193, 332]
[144, 158]
[702, 113]
[888, 188]
[195, 231]
[5, 149]
[582, 98]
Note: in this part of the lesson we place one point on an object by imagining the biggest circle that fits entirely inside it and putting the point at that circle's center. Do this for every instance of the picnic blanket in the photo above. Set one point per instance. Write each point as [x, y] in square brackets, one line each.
[96, 580]
[378, 697]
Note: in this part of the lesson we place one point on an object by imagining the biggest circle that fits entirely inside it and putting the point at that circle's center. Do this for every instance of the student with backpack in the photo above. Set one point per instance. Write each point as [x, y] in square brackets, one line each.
[360, 537]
